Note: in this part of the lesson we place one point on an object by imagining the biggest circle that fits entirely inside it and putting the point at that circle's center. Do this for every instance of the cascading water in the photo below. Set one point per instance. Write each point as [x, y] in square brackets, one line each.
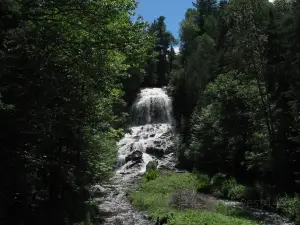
[149, 140]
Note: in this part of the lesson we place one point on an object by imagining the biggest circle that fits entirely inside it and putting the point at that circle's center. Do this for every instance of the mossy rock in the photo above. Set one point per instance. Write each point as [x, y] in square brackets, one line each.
[151, 166]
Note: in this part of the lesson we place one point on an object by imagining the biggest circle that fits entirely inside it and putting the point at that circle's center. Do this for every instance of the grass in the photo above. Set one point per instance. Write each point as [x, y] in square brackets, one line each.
[155, 195]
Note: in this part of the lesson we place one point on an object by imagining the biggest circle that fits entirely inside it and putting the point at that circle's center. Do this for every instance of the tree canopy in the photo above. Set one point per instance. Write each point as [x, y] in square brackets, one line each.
[235, 93]
[63, 68]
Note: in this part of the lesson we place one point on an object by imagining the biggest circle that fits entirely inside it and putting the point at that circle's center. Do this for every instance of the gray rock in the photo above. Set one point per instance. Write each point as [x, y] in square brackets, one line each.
[156, 151]
[151, 166]
[98, 191]
[136, 156]
[133, 164]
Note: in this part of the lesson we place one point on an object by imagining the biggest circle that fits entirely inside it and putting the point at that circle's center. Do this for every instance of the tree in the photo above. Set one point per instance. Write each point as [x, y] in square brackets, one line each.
[61, 102]
[235, 92]
[158, 68]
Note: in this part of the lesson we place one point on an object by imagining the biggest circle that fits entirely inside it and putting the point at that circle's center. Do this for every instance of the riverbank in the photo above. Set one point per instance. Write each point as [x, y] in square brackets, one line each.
[175, 197]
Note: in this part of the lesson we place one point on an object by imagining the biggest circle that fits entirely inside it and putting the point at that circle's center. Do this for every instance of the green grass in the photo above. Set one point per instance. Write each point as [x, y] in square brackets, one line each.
[154, 197]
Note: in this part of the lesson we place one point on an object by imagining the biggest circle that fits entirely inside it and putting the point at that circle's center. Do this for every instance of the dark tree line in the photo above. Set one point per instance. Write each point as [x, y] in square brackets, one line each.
[236, 91]
[63, 72]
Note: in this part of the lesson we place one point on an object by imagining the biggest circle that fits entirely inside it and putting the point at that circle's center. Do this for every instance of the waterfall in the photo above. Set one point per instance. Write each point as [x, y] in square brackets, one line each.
[149, 139]
[152, 105]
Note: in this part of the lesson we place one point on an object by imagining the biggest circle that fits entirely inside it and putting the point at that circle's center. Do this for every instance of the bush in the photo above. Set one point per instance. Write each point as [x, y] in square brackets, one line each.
[232, 190]
[290, 207]
[236, 192]
[226, 188]
[204, 180]
[218, 179]
[151, 175]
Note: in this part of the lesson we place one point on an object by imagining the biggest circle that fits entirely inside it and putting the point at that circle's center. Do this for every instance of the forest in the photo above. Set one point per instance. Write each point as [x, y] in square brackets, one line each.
[70, 70]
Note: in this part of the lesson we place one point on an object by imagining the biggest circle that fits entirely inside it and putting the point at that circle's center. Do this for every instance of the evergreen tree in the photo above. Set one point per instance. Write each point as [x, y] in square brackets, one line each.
[157, 69]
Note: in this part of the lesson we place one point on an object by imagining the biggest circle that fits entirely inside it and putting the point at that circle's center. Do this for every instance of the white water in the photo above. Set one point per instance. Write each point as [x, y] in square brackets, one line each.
[149, 140]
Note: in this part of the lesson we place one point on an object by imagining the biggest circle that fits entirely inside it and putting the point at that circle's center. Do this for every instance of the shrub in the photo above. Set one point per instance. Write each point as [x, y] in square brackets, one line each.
[290, 207]
[218, 179]
[204, 180]
[151, 175]
[232, 190]
[236, 192]
[222, 188]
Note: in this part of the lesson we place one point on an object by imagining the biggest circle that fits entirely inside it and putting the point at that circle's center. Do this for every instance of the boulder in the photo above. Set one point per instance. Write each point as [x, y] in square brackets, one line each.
[169, 149]
[156, 151]
[97, 191]
[134, 163]
[151, 166]
[136, 156]
[166, 167]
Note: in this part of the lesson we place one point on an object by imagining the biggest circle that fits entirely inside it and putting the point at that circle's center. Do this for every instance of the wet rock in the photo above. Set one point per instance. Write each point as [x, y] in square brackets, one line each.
[166, 167]
[124, 173]
[156, 151]
[136, 156]
[133, 164]
[98, 191]
[158, 143]
[118, 221]
[167, 135]
[169, 149]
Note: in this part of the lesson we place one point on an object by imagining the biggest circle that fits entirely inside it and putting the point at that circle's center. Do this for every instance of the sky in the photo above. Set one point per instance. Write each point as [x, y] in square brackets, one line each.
[173, 10]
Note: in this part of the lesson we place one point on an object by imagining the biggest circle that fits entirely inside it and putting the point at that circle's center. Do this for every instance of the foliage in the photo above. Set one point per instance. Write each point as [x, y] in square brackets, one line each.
[228, 188]
[63, 64]
[161, 64]
[155, 195]
[233, 211]
[290, 206]
[151, 175]
[235, 94]
[232, 190]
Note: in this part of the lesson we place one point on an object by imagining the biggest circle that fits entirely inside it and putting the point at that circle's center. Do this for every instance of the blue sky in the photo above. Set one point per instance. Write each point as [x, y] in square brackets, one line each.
[173, 10]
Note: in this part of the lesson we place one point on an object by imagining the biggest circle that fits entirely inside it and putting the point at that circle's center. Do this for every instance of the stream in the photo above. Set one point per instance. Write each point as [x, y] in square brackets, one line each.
[149, 139]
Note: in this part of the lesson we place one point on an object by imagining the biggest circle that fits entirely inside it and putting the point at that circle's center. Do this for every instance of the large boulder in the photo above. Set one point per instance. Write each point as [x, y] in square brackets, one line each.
[136, 156]
[156, 151]
[152, 165]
